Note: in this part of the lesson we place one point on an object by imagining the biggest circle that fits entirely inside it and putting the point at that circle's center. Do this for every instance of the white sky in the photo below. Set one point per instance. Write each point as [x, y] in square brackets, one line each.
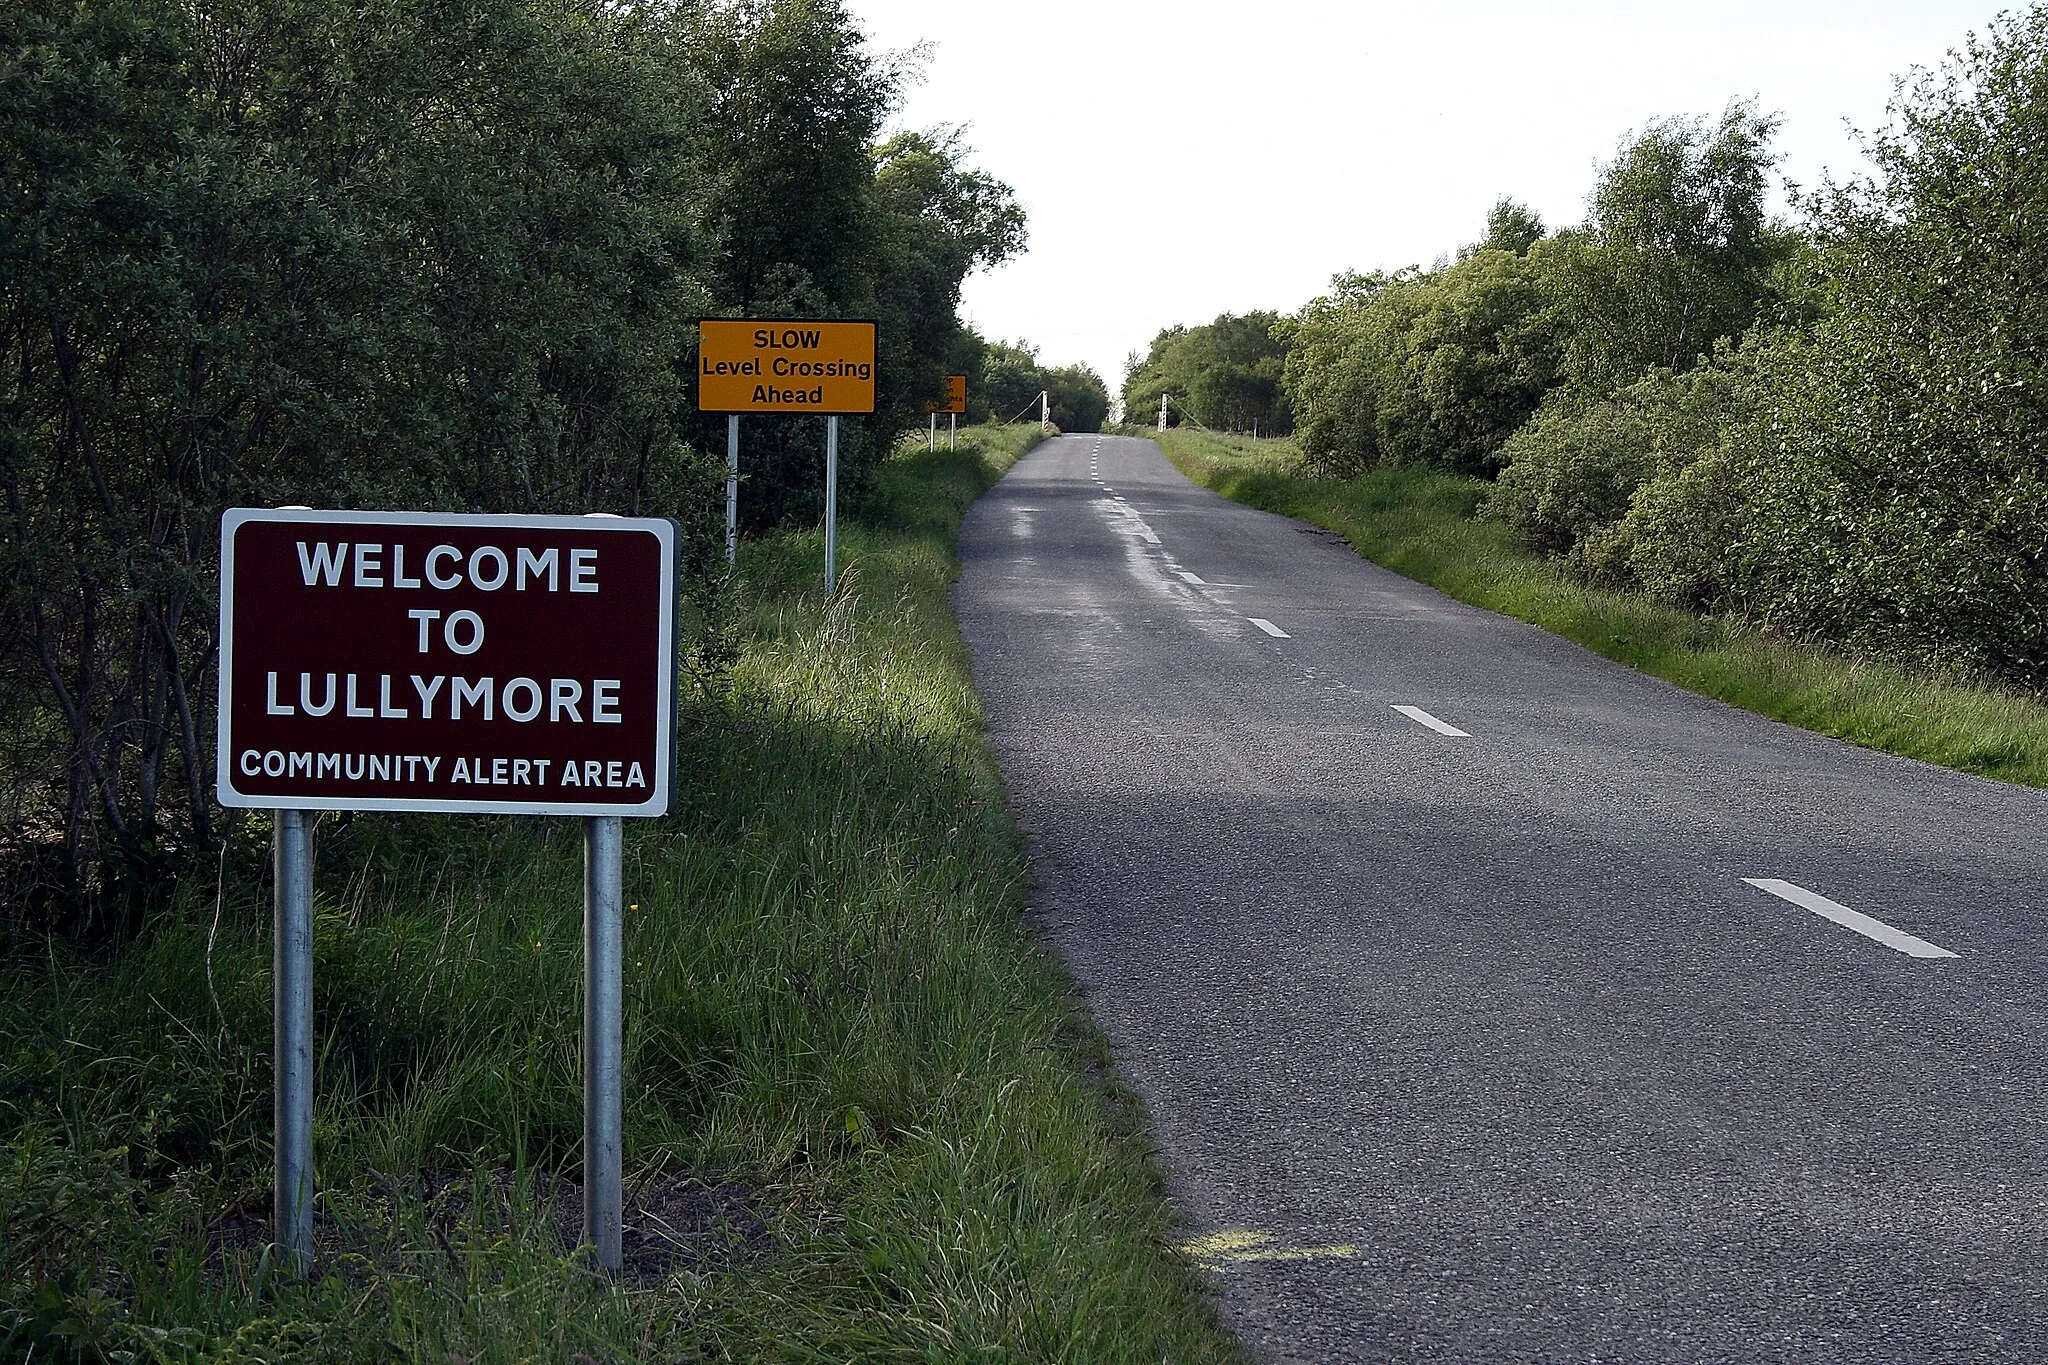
[1184, 159]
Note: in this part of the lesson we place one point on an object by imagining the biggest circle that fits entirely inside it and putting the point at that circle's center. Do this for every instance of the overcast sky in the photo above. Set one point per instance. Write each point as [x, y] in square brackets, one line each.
[1185, 159]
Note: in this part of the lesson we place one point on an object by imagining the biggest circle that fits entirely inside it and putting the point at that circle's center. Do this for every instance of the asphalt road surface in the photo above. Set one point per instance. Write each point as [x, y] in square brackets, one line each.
[1489, 1045]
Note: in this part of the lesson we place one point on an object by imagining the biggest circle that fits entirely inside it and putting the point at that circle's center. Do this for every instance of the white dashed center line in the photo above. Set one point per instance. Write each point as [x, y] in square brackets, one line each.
[1192, 578]
[1849, 919]
[1422, 717]
[1263, 624]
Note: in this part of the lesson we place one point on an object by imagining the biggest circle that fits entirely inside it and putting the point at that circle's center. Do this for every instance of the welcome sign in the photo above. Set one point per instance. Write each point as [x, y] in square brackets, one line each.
[413, 661]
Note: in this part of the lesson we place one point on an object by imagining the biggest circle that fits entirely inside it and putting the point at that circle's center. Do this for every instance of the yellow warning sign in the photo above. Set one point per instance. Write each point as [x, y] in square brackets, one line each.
[956, 395]
[785, 365]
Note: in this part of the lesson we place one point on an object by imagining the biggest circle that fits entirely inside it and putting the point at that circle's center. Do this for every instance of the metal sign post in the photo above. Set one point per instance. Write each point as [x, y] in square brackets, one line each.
[955, 404]
[603, 1039]
[413, 661]
[831, 503]
[732, 488]
[291, 1019]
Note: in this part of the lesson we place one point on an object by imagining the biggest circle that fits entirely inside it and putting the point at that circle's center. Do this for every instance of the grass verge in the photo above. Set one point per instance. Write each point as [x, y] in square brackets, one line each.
[1421, 523]
[860, 1117]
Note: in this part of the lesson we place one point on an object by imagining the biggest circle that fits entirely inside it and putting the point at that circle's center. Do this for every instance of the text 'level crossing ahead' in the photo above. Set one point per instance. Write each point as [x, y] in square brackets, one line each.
[445, 662]
[785, 365]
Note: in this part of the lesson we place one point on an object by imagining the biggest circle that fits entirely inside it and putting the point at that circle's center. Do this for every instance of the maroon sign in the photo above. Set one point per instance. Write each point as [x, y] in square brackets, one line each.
[423, 661]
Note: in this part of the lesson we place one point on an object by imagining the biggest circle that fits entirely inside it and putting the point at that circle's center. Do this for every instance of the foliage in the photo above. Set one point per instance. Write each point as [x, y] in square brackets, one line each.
[1612, 483]
[1411, 367]
[944, 220]
[1225, 374]
[1866, 467]
[397, 255]
[275, 252]
[1896, 485]
[1677, 254]
[836, 1019]
[810, 217]
[1079, 398]
[1442, 366]
[1512, 227]
[1012, 378]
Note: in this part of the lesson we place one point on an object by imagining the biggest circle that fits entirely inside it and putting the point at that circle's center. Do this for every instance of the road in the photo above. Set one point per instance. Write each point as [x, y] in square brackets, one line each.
[1487, 1045]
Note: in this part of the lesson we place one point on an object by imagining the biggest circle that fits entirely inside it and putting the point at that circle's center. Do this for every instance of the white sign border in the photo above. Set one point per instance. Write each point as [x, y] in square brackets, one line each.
[657, 802]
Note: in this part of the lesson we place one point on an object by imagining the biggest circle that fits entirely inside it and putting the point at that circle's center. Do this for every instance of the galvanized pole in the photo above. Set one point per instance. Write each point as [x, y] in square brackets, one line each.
[292, 1039]
[831, 502]
[952, 431]
[732, 488]
[603, 1039]
[931, 444]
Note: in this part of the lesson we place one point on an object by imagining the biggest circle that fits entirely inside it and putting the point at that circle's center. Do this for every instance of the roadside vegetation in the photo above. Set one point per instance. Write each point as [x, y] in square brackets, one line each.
[393, 255]
[1427, 524]
[1012, 378]
[396, 255]
[1822, 432]
[1223, 375]
[865, 1118]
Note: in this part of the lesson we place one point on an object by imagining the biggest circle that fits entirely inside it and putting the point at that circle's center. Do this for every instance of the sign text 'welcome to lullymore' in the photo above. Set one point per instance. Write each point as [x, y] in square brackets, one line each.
[446, 662]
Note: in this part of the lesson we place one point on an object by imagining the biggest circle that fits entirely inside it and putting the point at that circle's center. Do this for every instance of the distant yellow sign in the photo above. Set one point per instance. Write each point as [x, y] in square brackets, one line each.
[785, 365]
[956, 395]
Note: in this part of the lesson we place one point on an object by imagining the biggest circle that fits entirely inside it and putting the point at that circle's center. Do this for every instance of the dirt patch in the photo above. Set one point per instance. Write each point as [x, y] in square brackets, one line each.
[701, 1222]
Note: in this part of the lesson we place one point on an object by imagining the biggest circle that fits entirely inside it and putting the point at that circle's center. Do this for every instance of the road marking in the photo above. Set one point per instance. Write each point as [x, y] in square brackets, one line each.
[1849, 919]
[1221, 1250]
[1263, 624]
[1422, 717]
[1192, 578]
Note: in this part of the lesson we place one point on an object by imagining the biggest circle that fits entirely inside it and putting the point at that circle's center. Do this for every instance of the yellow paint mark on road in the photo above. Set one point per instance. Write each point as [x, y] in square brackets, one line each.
[1221, 1250]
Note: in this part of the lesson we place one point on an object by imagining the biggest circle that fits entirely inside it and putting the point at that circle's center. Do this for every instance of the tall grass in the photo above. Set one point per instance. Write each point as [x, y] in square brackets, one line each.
[842, 1044]
[1421, 522]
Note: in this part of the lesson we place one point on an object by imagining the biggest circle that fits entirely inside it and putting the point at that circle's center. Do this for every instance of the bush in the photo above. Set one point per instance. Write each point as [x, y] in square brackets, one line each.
[1635, 490]
[1897, 485]
[1422, 368]
[1225, 374]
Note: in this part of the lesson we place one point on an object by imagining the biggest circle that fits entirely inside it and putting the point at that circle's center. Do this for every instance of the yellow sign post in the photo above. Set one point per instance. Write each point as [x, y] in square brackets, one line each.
[785, 365]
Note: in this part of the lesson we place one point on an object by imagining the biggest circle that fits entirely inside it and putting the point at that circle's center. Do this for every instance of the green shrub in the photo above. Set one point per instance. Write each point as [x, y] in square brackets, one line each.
[1572, 470]
[1617, 485]
[1422, 368]
[1896, 482]
[1674, 541]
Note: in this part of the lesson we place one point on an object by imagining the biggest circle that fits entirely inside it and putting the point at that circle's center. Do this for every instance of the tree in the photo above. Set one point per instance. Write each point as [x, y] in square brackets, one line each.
[281, 251]
[1512, 227]
[1080, 400]
[1225, 373]
[940, 221]
[811, 217]
[1413, 367]
[1678, 251]
[1897, 478]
